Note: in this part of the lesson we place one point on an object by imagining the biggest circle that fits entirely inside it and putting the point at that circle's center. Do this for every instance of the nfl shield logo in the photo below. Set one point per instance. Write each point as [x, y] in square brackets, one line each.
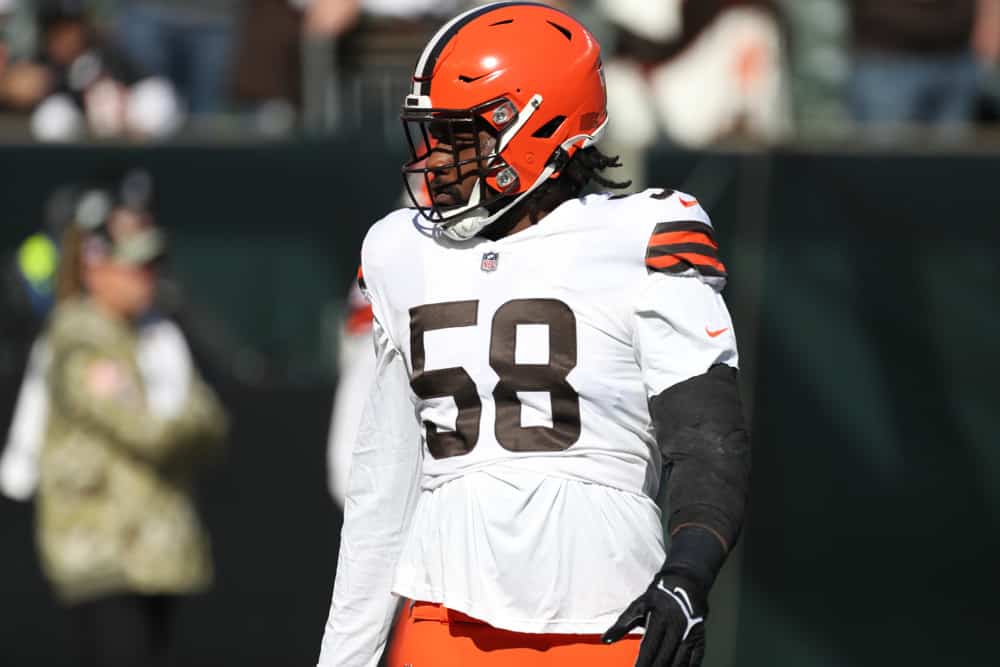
[490, 261]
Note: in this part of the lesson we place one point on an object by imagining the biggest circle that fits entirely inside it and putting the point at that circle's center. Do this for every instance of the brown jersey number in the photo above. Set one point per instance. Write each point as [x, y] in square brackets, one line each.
[514, 377]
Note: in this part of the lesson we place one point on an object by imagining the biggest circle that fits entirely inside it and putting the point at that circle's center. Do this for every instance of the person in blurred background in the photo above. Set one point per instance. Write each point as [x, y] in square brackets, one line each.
[78, 83]
[163, 353]
[917, 61]
[695, 72]
[117, 531]
[188, 42]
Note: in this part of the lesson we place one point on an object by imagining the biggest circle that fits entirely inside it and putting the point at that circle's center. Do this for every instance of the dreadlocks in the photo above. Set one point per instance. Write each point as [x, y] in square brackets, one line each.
[583, 168]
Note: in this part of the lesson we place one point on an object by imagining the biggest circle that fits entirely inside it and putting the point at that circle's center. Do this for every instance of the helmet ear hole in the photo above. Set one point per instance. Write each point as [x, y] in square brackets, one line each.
[550, 128]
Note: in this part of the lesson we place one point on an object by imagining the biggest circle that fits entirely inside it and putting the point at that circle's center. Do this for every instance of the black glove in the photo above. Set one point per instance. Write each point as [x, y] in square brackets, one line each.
[673, 611]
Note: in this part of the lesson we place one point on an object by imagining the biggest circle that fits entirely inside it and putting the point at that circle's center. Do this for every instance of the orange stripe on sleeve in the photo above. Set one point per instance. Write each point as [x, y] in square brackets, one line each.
[695, 259]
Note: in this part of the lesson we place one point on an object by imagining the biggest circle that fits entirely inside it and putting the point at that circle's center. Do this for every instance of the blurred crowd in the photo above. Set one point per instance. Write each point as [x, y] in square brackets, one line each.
[686, 72]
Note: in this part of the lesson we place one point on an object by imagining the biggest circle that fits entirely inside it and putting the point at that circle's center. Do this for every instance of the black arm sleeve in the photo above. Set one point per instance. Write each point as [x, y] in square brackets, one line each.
[706, 452]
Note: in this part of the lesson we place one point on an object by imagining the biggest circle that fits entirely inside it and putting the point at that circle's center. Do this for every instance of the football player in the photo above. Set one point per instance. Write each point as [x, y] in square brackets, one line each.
[544, 361]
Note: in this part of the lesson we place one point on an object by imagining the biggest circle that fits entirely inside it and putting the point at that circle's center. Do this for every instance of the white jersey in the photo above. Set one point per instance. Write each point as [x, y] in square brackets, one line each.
[530, 361]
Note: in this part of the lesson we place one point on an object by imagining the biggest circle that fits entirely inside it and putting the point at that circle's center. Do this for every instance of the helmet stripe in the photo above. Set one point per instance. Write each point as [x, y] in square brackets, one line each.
[428, 59]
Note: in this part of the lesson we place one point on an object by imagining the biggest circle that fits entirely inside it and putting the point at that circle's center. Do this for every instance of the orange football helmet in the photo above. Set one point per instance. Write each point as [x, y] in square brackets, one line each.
[532, 77]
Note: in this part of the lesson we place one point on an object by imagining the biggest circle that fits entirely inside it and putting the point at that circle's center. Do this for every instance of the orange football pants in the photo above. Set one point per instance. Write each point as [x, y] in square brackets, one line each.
[430, 635]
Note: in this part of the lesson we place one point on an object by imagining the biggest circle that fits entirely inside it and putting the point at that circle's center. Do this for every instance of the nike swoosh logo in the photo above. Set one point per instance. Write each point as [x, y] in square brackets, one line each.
[687, 203]
[717, 333]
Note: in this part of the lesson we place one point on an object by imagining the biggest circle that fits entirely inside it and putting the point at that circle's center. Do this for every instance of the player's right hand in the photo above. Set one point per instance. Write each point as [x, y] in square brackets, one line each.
[673, 611]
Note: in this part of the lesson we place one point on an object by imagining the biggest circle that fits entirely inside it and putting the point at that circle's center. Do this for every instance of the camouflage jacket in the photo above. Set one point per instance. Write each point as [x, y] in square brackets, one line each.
[115, 512]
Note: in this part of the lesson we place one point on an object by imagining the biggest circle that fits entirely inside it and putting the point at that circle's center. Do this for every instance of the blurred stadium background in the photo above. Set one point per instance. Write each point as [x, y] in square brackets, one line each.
[849, 155]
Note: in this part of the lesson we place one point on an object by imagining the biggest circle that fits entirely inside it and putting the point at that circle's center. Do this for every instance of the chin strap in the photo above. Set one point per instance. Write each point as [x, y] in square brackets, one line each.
[479, 218]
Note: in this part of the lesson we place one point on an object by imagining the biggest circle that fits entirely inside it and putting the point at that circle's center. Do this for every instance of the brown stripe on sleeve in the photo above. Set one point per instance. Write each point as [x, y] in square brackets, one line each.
[675, 247]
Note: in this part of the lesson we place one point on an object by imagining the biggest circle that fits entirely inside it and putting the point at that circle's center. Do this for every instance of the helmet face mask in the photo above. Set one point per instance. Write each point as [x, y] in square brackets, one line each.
[455, 133]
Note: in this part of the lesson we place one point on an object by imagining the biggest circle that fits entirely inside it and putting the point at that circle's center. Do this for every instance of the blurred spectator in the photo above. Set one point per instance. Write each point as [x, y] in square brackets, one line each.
[695, 71]
[117, 531]
[164, 359]
[77, 83]
[189, 42]
[915, 61]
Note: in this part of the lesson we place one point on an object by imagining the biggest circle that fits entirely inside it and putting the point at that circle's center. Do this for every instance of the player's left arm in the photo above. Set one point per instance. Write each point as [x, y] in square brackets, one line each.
[686, 348]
